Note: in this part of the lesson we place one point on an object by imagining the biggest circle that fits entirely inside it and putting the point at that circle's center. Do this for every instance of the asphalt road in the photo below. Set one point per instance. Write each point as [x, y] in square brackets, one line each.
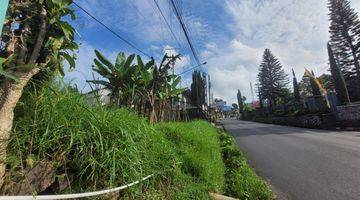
[302, 164]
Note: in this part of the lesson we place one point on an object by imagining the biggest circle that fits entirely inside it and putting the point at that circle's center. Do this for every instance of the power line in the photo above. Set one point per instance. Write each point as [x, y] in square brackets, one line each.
[183, 26]
[167, 23]
[113, 32]
[144, 18]
[186, 29]
[148, 21]
[162, 31]
[186, 71]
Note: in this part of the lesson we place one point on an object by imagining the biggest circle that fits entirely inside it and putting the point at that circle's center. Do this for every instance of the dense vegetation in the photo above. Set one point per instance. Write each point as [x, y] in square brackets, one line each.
[96, 147]
[147, 88]
[198, 89]
[296, 95]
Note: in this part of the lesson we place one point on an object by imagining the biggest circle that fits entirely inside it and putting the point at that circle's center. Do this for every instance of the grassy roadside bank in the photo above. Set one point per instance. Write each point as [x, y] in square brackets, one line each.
[241, 180]
[87, 148]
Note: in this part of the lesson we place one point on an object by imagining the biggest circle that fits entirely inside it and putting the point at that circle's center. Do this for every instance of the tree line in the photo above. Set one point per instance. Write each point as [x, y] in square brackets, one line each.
[145, 87]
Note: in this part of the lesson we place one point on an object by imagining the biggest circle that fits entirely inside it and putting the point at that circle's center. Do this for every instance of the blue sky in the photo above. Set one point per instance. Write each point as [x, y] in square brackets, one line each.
[230, 35]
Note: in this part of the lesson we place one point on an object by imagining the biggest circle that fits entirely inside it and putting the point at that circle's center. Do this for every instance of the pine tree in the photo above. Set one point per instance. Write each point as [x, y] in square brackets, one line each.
[271, 78]
[240, 102]
[261, 99]
[338, 79]
[198, 88]
[296, 88]
[345, 38]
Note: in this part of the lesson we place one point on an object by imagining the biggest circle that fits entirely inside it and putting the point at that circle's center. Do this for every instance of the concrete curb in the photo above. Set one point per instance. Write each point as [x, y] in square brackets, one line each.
[220, 197]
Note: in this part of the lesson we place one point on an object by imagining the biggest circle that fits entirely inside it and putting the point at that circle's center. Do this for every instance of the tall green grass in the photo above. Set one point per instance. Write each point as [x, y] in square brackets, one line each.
[241, 180]
[198, 147]
[101, 147]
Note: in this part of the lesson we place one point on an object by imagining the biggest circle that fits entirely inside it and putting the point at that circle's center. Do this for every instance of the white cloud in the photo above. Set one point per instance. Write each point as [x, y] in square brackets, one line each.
[143, 20]
[356, 5]
[225, 82]
[232, 67]
[84, 62]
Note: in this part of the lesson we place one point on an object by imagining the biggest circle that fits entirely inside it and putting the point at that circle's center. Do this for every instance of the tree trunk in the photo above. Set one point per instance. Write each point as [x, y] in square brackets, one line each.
[162, 111]
[10, 95]
[152, 117]
[11, 91]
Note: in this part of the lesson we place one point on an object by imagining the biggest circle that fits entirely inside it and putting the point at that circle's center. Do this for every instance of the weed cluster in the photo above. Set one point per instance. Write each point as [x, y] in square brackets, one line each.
[241, 180]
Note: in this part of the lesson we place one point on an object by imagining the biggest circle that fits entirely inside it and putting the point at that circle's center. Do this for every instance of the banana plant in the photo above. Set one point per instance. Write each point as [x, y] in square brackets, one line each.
[138, 85]
[169, 85]
[149, 79]
[118, 77]
[175, 91]
[144, 78]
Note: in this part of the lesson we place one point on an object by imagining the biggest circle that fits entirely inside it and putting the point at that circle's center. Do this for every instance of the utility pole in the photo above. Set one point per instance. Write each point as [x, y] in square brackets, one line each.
[172, 60]
[209, 87]
[206, 106]
[172, 56]
[212, 98]
[208, 96]
[206, 88]
[3, 7]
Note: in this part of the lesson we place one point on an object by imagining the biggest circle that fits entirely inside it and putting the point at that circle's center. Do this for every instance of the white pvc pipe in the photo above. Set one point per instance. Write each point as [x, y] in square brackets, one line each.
[73, 196]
